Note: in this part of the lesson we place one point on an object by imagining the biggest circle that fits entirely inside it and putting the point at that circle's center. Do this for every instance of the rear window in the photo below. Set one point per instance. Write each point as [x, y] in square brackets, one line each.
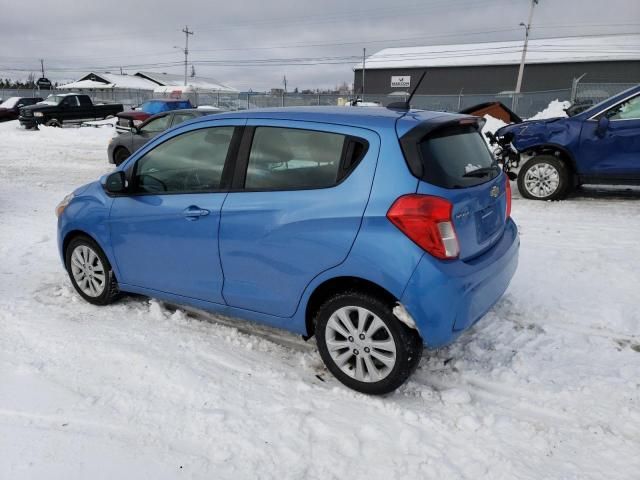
[457, 157]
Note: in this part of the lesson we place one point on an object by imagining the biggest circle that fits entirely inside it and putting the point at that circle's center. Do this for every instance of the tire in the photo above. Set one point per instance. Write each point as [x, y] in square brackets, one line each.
[120, 155]
[545, 177]
[84, 259]
[54, 122]
[351, 356]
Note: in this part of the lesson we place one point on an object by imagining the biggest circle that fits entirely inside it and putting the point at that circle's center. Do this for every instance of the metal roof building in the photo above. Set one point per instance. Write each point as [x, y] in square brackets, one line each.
[551, 63]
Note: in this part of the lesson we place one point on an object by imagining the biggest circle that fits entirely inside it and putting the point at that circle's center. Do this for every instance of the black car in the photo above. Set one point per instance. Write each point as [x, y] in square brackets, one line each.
[124, 144]
[61, 108]
[10, 108]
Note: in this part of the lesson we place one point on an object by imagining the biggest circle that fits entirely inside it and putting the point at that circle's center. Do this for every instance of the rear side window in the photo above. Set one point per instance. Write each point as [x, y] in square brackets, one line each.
[286, 158]
[457, 157]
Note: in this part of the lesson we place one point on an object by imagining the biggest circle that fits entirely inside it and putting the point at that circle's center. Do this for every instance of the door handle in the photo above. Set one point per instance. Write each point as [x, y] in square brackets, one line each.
[193, 212]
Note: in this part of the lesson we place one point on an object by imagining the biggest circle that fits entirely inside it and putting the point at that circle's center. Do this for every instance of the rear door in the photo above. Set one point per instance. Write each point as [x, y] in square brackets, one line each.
[458, 166]
[301, 191]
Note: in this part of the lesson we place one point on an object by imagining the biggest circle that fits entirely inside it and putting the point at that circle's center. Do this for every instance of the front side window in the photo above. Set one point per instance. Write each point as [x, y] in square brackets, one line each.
[286, 158]
[629, 110]
[156, 125]
[191, 162]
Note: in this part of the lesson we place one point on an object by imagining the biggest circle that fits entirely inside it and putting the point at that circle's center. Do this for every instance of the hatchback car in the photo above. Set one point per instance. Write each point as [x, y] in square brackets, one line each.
[122, 145]
[378, 231]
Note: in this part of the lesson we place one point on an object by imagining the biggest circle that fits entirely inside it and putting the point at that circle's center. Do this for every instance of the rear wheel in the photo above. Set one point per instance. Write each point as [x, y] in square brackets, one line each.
[545, 177]
[120, 155]
[90, 271]
[364, 345]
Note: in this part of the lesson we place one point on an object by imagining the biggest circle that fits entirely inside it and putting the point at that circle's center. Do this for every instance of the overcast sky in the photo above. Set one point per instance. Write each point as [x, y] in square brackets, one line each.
[253, 44]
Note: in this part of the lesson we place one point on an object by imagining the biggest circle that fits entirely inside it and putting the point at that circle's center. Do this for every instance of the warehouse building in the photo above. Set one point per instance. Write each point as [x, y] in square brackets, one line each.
[490, 68]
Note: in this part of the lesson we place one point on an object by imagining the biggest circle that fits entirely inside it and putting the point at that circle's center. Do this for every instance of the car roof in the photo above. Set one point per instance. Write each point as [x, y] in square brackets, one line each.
[366, 117]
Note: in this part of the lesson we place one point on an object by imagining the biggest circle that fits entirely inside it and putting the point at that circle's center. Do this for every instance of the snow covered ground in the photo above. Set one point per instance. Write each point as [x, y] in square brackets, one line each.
[546, 386]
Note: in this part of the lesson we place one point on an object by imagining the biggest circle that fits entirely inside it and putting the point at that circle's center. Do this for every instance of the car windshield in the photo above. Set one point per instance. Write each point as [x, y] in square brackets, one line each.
[53, 99]
[9, 102]
[596, 108]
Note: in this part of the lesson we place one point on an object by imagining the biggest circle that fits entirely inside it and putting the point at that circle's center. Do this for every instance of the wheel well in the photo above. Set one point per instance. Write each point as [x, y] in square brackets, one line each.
[70, 236]
[556, 151]
[341, 284]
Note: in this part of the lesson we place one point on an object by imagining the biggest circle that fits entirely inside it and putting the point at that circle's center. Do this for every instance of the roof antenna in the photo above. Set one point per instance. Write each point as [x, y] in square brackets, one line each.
[406, 105]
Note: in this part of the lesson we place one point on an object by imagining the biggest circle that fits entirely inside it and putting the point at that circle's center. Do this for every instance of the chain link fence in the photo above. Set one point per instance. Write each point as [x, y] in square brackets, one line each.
[526, 105]
[592, 93]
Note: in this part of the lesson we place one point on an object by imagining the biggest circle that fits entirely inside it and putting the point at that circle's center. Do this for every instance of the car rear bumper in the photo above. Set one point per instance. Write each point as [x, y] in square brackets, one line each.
[445, 298]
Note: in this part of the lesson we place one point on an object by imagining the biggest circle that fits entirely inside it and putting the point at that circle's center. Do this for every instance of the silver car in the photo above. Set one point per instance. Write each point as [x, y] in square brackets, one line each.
[124, 144]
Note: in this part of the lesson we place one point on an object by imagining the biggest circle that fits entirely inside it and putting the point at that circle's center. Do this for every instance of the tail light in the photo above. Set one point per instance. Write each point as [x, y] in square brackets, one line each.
[507, 192]
[427, 221]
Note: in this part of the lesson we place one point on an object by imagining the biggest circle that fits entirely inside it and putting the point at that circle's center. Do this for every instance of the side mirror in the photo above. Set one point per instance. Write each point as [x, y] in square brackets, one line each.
[116, 183]
[603, 125]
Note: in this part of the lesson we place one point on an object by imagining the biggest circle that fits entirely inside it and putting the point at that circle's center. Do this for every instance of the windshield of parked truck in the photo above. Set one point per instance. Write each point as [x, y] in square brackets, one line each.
[9, 102]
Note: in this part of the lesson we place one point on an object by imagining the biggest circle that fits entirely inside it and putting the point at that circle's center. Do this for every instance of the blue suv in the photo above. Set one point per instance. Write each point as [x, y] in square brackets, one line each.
[600, 145]
[378, 231]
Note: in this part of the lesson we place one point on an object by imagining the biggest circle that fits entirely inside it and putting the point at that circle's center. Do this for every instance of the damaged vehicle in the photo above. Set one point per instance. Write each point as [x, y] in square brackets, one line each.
[600, 145]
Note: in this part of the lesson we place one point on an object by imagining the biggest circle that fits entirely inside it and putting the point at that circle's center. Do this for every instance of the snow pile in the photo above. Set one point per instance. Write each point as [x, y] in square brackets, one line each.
[546, 386]
[554, 110]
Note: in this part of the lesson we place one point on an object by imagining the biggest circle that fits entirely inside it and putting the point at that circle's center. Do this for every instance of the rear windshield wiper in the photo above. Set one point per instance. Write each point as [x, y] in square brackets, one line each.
[482, 172]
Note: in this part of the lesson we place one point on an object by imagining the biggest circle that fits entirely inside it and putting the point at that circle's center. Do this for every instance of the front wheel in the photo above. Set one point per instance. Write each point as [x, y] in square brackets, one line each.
[544, 177]
[364, 345]
[54, 122]
[90, 271]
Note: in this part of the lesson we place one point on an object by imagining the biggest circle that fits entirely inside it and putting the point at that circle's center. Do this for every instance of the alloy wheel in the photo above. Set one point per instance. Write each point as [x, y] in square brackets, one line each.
[542, 180]
[360, 344]
[88, 271]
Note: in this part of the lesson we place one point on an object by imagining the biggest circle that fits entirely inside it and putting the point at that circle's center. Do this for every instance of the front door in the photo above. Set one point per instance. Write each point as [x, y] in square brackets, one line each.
[165, 234]
[614, 152]
[295, 211]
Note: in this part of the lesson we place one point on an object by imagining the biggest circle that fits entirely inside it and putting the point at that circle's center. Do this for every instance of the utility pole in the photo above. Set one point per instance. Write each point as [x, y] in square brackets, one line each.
[364, 54]
[284, 81]
[42, 66]
[186, 32]
[524, 54]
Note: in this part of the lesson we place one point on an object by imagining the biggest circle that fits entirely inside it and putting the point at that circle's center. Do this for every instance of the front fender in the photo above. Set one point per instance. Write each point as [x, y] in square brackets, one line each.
[88, 212]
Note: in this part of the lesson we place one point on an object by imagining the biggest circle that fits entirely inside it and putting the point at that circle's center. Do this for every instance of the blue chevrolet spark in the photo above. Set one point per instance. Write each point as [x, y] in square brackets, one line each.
[379, 231]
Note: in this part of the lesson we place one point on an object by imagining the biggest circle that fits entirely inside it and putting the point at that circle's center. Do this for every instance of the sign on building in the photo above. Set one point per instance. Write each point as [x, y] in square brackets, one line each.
[400, 81]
